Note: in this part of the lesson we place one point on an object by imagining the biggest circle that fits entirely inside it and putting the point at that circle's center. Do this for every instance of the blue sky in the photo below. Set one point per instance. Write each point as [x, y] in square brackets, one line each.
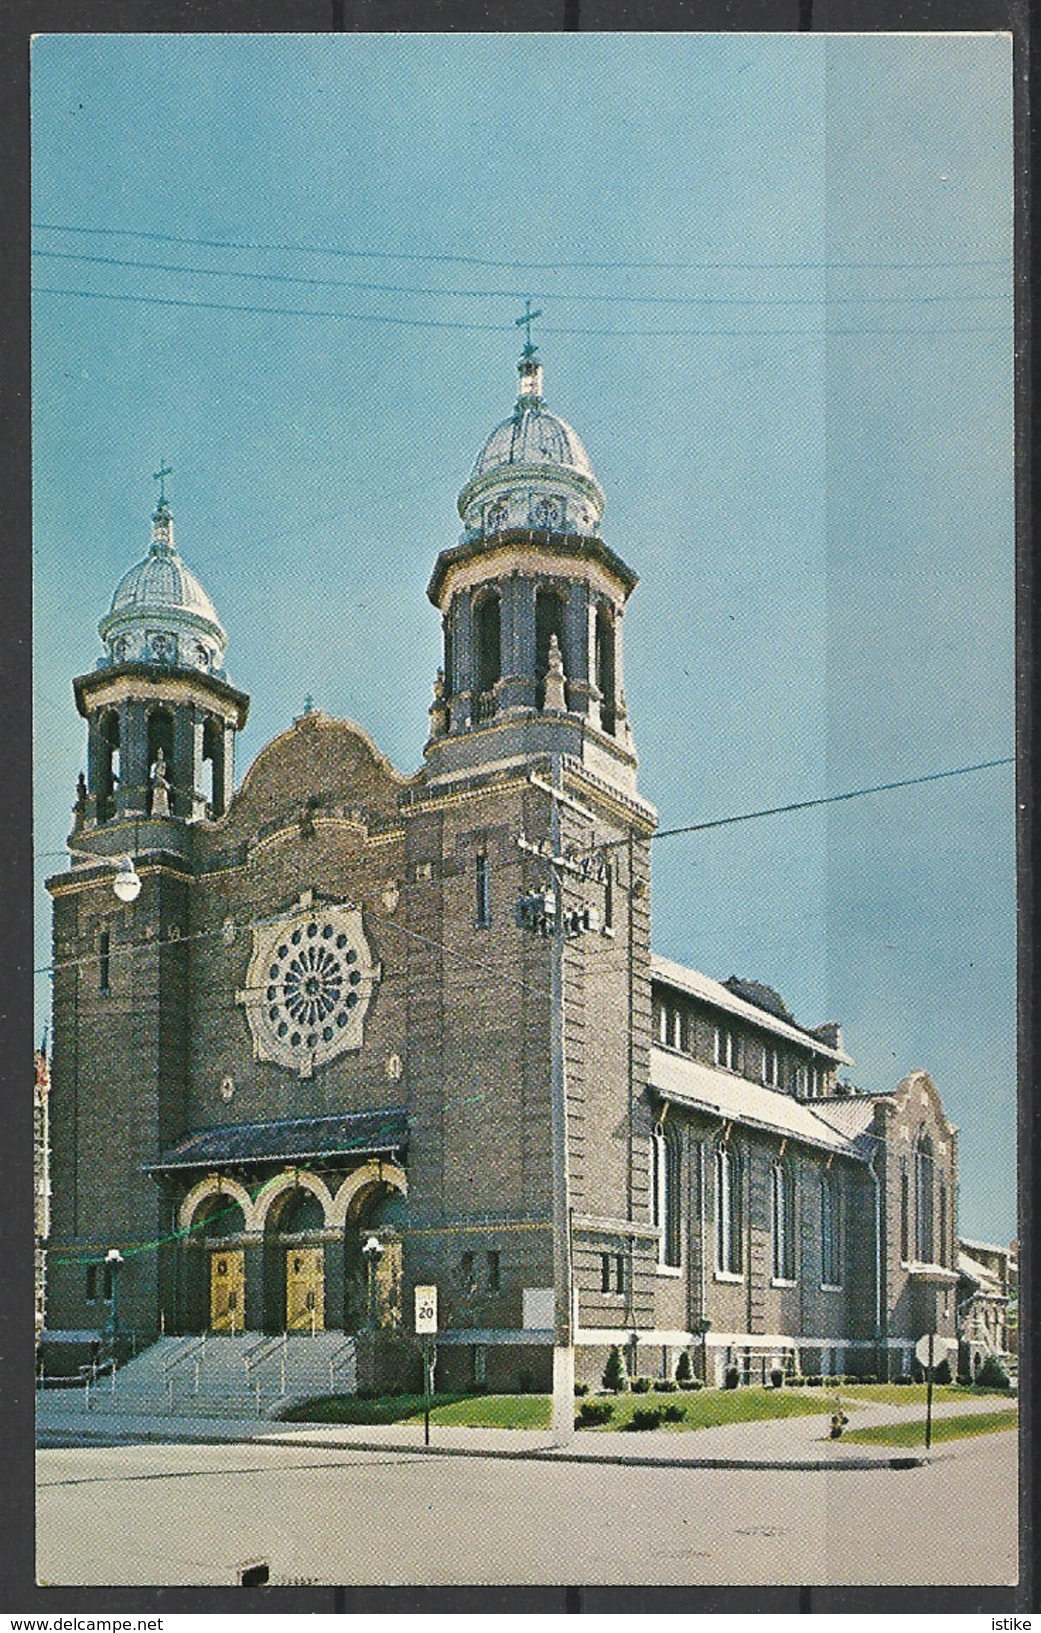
[775, 273]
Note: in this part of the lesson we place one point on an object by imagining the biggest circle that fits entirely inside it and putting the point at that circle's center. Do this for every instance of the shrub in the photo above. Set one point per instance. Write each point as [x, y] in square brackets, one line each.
[796, 1380]
[581, 1389]
[690, 1383]
[942, 1372]
[903, 1378]
[646, 1417]
[663, 1386]
[776, 1377]
[992, 1374]
[640, 1386]
[673, 1412]
[732, 1378]
[814, 1380]
[593, 1411]
[684, 1370]
[868, 1378]
[615, 1376]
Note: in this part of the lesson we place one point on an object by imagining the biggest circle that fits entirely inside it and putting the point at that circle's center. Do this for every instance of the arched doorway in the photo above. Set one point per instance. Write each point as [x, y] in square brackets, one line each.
[372, 1282]
[294, 1263]
[217, 1290]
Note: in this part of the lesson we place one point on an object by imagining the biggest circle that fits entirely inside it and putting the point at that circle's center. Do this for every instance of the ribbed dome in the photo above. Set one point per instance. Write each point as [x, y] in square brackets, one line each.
[532, 436]
[160, 612]
[532, 471]
[163, 582]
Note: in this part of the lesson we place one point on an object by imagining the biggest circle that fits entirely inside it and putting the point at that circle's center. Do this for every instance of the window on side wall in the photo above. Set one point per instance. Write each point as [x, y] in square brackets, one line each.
[725, 1051]
[783, 1220]
[482, 882]
[729, 1212]
[831, 1231]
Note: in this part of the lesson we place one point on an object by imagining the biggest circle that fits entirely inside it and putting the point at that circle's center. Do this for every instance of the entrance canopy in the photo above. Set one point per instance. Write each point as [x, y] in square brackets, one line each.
[354, 1134]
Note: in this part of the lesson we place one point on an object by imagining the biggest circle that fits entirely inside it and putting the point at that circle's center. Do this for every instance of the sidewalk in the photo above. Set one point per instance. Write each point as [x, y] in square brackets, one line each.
[780, 1443]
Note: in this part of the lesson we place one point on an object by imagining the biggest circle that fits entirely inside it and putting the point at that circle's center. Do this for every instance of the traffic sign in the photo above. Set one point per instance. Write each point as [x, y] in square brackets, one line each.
[939, 1347]
[426, 1309]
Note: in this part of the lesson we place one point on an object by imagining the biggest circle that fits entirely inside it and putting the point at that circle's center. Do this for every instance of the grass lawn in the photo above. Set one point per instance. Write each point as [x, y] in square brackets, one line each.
[912, 1394]
[913, 1434]
[709, 1408]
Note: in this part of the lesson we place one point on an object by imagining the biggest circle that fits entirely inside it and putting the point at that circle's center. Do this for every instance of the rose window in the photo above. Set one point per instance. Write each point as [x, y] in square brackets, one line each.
[309, 984]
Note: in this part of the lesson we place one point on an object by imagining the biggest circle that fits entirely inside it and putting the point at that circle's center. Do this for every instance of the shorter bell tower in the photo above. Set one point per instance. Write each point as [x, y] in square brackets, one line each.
[161, 714]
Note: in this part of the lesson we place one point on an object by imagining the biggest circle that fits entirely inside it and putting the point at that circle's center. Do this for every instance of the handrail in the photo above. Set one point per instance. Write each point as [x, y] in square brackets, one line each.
[193, 1351]
[347, 1352]
[275, 1349]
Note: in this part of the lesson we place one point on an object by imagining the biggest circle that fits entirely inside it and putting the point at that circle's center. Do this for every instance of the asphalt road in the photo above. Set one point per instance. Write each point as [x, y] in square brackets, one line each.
[180, 1514]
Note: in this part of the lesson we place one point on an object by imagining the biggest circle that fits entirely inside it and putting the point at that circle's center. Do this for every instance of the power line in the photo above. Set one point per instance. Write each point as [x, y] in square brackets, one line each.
[598, 299]
[830, 799]
[432, 257]
[397, 321]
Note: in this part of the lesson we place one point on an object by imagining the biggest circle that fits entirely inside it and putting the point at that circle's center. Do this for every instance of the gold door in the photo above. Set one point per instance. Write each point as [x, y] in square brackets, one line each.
[305, 1289]
[227, 1289]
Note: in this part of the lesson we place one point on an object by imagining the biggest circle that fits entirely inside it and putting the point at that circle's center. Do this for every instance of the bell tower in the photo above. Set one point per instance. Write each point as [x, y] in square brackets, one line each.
[532, 603]
[161, 714]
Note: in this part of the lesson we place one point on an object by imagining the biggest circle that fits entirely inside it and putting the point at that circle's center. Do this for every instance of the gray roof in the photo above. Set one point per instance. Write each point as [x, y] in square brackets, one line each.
[355, 1134]
[851, 1115]
[723, 1094]
[721, 997]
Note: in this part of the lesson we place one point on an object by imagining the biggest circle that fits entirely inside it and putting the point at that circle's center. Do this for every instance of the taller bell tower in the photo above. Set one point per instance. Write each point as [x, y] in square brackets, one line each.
[532, 603]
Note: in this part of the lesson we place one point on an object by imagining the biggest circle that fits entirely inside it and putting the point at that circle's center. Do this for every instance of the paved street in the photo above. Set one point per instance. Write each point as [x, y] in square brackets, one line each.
[180, 1514]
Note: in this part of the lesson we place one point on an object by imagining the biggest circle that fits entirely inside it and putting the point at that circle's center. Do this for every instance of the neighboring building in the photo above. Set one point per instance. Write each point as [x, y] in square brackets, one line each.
[987, 1287]
[330, 1015]
[41, 1177]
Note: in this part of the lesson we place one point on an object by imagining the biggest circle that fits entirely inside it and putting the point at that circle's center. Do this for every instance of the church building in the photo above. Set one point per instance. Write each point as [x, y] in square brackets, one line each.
[359, 1030]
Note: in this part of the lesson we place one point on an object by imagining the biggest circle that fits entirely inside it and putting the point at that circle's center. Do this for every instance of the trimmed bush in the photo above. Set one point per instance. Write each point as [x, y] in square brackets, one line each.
[796, 1380]
[672, 1412]
[903, 1378]
[684, 1370]
[868, 1378]
[646, 1417]
[615, 1376]
[992, 1374]
[776, 1377]
[663, 1386]
[593, 1411]
[640, 1386]
[581, 1389]
[690, 1383]
[732, 1378]
[814, 1380]
[942, 1372]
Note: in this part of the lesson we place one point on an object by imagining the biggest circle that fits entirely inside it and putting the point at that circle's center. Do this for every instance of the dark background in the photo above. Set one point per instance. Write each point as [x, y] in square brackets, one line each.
[19, 20]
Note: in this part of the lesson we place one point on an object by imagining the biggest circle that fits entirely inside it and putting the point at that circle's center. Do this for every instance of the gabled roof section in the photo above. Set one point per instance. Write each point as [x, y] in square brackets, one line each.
[722, 1094]
[696, 985]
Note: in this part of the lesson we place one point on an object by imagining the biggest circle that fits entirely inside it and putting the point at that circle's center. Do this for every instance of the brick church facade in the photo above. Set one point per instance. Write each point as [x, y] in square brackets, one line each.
[360, 1030]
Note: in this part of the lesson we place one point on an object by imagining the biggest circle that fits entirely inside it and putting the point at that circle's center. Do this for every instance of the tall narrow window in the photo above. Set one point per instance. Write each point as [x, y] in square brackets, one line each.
[665, 1194]
[831, 1232]
[609, 896]
[726, 1053]
[450, 686]
[905, 1216]
[108, 767]
[605, 1272]
[799, 1080]
[494, 1270]
[783, 1197]
[466, 1270]
[923, 1201]
[104, 961]
[483, 892]
[770, 1066]
[943, 1223]
[488, 642]
[729, 1236]
[213, 766]
[605, 668]
[92, 1283]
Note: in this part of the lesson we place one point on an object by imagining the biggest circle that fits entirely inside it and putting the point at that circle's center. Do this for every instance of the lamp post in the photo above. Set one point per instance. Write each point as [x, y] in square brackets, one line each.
[113, 1260]
[701, 1327]
[372, 1252]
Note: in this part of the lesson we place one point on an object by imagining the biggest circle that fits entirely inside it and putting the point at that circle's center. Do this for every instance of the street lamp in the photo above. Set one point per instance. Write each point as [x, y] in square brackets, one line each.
[372, 1253]
[701, 1327]
[113, 1260]
[127, 882]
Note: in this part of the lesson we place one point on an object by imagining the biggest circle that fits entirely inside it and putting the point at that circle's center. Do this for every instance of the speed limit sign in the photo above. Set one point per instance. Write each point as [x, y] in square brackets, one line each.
[426, 1309]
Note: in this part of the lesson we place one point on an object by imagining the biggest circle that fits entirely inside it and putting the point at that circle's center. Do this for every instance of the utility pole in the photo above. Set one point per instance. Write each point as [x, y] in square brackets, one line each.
[543, 912]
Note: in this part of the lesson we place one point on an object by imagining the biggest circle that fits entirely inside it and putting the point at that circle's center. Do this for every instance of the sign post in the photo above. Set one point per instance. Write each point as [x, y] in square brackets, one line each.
[925, 1350]
[426, 1324]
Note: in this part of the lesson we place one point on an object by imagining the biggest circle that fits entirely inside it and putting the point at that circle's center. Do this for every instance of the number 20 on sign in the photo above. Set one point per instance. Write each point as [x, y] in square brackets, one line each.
[426, 1309]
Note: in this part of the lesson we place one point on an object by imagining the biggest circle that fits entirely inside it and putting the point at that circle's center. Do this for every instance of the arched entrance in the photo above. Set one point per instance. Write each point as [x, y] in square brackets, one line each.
[372, 1282]
[294, 1262]
[217, 1288]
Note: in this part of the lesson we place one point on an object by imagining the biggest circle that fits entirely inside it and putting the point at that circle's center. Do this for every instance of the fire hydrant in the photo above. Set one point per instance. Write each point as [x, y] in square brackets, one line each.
[838, 1423]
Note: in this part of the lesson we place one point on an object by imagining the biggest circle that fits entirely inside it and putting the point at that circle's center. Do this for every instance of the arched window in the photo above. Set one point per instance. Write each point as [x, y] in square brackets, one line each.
[446, 627]
[605, 667]
[108, 766]
[831, 1232]
[783, 1220]
[213, 766]
[665, 1194]
[729, 1212]
[923, 1199]
[488, 642]
[549, 621]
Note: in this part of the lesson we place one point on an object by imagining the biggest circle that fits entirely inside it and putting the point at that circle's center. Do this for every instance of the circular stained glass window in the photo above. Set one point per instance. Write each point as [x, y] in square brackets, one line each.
[309, 986]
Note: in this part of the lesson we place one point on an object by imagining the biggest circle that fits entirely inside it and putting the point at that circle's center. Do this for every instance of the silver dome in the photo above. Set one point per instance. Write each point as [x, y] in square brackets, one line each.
[160, 612]
[532, 436]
